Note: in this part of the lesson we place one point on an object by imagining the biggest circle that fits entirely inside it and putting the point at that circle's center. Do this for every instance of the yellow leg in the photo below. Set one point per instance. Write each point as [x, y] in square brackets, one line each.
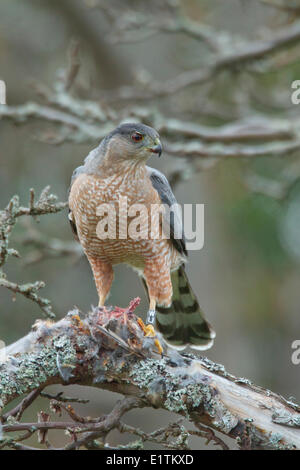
[152, 304]
[149, 329]
[103, 276]
[102, 299]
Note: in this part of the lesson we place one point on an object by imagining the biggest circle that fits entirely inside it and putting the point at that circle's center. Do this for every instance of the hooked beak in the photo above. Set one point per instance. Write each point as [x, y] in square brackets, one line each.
[156, 149]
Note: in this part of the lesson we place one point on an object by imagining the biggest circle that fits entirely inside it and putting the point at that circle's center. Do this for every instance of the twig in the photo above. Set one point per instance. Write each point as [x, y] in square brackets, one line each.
[59, 397]
[30, 292]
[46, 204]
[209, 435]
[18, 411]
[236, 57]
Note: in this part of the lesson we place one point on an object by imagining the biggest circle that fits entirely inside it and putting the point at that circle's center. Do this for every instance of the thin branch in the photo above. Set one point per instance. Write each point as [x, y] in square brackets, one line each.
[141, 25]
[18, 411]
[251, 131]
[46, 204]
[30, 291]
[237, 56]
[209, 435]
[59, 397]
[196, 149]
[172, 436]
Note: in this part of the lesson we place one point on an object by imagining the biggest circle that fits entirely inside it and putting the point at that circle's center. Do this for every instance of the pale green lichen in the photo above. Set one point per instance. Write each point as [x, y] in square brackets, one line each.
[34, 369]
[145, 371]
[286, 418]
[183, 394]
[179, 398]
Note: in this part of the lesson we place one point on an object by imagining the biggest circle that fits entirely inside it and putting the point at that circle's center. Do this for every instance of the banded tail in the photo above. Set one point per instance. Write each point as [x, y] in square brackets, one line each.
[183, 324]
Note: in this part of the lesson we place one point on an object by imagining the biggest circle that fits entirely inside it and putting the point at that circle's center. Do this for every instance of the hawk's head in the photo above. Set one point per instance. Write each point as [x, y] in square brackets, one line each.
[132, 141]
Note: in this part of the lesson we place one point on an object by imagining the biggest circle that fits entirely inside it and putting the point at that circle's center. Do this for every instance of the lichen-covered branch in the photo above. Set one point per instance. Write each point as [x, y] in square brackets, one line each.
[107, 349]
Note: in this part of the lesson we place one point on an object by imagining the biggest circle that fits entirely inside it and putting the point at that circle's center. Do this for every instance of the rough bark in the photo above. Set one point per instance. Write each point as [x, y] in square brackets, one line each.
[107, 349]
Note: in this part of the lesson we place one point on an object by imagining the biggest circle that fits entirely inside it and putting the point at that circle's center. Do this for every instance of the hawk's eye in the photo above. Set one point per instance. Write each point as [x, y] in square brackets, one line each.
[137, 137]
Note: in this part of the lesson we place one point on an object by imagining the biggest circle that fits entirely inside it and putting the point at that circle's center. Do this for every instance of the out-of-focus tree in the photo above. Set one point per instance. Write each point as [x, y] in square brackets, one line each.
[216, 81]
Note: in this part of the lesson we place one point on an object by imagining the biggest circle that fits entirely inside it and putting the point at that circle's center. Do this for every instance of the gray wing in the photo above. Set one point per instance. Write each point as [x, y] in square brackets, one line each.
[162, 186]
[76, 172]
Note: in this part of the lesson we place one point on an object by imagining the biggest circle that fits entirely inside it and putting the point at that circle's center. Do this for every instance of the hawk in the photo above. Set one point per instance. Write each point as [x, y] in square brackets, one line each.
[117, 169]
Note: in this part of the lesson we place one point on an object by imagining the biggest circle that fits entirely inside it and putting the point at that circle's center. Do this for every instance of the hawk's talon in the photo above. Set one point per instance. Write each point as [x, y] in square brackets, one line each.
[159, 346]
[149, 332]
[147, 329]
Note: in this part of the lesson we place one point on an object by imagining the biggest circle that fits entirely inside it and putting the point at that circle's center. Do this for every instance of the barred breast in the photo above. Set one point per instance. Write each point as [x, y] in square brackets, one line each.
[89, 192]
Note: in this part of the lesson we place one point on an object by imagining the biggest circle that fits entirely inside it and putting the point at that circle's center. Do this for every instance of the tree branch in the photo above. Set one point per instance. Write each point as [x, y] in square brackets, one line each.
[235, 56]
[108, 350]
[46, 204]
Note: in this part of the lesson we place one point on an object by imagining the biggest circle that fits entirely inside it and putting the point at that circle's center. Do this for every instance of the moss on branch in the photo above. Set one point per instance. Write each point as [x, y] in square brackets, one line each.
[109, 351]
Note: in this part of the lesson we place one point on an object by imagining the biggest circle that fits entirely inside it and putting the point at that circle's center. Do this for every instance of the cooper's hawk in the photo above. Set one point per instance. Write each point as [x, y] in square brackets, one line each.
[117, 169]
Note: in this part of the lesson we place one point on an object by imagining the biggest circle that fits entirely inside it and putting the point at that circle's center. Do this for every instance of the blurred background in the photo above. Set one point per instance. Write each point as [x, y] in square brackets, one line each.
[247, 276]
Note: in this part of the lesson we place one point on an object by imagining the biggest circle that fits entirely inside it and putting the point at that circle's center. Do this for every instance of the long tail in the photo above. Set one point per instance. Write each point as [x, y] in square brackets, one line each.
[184, 324]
